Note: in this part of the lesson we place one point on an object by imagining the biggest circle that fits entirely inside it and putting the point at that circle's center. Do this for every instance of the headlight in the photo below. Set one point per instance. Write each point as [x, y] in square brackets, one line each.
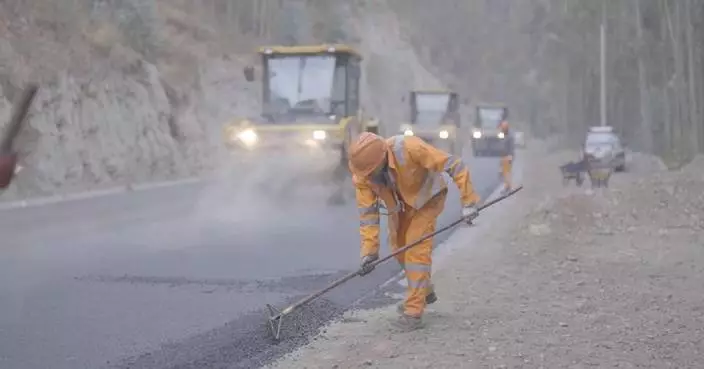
[444, 134]
[248, 137]
[477, 134]
[500, 135]
[319, 135]
[408, 132]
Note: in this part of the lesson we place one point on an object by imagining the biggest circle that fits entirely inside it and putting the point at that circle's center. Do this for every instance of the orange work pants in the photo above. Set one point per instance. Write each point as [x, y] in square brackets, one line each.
[417, 262]
[506, 164]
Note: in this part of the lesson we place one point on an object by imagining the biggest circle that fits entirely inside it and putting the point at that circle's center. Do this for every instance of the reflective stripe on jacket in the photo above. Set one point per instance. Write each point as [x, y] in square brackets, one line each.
[415, 170]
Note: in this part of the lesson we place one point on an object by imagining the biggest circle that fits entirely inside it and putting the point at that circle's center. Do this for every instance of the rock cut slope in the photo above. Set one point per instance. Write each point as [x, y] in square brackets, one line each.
[137, 91]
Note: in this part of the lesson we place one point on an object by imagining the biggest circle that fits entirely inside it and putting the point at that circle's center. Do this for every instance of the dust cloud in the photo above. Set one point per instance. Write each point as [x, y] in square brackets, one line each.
[255, 190]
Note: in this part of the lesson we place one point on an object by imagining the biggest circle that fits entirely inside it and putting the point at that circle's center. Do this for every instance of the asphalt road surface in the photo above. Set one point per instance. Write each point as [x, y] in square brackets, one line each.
[177, 277]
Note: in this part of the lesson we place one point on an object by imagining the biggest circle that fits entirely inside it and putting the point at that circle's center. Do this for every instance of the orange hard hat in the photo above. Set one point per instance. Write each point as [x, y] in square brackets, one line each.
[366, 154]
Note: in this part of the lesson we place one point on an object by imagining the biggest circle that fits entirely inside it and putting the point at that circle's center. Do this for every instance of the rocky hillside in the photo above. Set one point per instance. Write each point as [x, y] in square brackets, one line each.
[136, 91]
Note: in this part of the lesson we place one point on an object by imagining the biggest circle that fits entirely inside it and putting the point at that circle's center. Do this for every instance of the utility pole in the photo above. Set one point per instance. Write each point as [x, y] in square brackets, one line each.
[603, 62]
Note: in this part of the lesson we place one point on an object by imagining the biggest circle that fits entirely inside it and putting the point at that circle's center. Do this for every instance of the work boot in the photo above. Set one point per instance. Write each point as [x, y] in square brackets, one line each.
[407, 323]
[506, 190]
[429, 299]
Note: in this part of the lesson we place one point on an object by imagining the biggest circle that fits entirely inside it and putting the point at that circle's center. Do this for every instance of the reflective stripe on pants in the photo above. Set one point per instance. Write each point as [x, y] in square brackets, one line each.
[417, 262]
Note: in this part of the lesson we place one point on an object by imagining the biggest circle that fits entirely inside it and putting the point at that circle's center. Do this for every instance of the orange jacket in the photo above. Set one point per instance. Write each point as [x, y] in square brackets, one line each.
[415, 171]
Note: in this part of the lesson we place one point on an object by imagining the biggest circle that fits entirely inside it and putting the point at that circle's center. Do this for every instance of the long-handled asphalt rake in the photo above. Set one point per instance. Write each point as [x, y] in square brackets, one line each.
[276, 316]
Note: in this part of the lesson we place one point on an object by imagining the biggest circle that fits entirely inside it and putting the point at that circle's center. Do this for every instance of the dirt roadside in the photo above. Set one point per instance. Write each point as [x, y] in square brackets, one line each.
[568, 278]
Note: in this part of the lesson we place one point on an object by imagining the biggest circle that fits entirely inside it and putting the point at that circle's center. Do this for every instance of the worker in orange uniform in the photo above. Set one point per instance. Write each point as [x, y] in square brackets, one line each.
[405, 173]
[7, 169]
[506, 156]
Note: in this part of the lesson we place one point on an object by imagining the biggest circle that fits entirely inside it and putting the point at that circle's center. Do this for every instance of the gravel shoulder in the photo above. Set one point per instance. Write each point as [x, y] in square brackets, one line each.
[563, 277]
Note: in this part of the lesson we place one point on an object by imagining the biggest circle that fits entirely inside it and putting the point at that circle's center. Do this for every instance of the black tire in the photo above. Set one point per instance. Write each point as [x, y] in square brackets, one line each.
[622, 167]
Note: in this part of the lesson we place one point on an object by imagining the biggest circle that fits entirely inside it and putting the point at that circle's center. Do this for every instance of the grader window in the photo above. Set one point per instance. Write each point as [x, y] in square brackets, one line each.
[339, 90]
[353, 74]
[490, 117]
[431, 108]
[301, 83]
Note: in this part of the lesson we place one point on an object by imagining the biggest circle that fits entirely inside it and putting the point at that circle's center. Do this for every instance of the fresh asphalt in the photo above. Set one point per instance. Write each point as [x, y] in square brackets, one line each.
[177, 277]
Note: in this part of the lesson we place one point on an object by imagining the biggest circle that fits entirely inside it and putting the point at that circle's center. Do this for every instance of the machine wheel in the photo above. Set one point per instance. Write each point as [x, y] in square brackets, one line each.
[622, 167]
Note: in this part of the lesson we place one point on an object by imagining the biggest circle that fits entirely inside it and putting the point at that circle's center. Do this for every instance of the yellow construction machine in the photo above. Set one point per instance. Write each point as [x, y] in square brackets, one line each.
[487, 139]
[310, 109]
[435, 118]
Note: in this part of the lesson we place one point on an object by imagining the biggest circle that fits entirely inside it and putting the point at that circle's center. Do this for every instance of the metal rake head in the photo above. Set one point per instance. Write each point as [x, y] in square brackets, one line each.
[274, 322]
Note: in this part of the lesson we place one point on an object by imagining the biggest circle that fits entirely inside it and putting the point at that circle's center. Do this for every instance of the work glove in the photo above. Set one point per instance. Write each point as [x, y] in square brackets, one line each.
[469, 212]
[365, 266]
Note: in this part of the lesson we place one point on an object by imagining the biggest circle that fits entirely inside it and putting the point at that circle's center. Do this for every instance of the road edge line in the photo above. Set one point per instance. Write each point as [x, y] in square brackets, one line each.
[76, 196]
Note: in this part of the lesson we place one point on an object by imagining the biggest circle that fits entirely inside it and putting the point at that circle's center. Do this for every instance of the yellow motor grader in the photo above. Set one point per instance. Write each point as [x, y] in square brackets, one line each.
[310, 110]
[435, 118]
[487, 139]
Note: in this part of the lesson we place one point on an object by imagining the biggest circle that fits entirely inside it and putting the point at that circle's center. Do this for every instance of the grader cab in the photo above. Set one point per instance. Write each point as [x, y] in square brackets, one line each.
[435, 118]
[487, 139]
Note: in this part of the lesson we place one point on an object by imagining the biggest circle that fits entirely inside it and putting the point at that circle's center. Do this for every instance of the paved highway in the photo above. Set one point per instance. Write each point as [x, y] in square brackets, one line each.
[176, 277]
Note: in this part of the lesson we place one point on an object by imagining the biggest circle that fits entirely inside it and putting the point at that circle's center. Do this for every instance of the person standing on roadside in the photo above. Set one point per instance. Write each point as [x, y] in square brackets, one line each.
[506, 156]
